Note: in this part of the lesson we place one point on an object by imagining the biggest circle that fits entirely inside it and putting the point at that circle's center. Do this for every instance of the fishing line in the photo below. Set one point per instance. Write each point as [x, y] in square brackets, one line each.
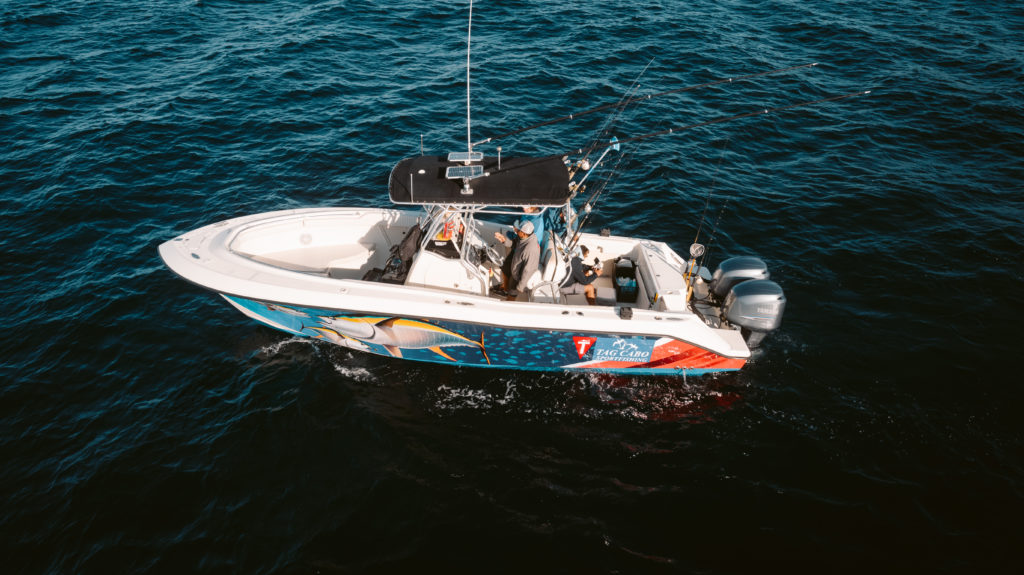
[707, 201]
[712, 241]
[575, 115]
[603, 134]
[620, 108]
[676, 129]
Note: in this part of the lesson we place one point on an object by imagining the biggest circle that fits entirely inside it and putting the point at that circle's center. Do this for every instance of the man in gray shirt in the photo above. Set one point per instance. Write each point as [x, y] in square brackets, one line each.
[525, 260]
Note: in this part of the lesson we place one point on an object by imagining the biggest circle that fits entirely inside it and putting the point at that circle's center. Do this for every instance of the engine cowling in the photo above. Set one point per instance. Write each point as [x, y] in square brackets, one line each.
[736, 270]
[756, 306]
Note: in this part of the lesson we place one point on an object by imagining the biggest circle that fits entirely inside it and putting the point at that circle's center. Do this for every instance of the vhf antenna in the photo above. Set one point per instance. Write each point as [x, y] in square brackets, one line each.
[469, 38]
[468, 171]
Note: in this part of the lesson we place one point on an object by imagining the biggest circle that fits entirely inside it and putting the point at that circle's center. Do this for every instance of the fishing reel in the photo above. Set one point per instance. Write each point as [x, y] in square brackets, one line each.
[696, 250]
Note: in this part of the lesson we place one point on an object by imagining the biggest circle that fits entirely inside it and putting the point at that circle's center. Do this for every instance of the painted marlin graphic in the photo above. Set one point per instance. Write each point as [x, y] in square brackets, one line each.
[395, 333]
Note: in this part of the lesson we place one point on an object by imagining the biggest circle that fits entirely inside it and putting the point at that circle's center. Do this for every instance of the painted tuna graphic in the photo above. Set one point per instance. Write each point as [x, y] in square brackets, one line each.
[394, 334]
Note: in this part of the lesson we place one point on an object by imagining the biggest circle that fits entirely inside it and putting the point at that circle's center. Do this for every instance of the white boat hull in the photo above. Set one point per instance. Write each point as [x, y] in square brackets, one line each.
[301, 271]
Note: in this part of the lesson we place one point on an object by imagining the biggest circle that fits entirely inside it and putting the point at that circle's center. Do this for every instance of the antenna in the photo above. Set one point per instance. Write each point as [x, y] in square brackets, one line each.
[466, 172]
[469, 37]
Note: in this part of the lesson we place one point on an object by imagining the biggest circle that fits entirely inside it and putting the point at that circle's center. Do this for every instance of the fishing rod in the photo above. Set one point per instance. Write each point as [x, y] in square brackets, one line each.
[588, 206]
[716, 228]
[760, 112]
[707, 200]
[697, 250]
[621, 103]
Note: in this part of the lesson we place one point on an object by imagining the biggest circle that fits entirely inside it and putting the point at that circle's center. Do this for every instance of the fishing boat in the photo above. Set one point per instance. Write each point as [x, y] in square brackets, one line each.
[422, 281]
[395, 283]
[422, 284]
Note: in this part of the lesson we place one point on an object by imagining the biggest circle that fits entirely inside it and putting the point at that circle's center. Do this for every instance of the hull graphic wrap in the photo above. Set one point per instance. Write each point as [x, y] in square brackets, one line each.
[471, 344]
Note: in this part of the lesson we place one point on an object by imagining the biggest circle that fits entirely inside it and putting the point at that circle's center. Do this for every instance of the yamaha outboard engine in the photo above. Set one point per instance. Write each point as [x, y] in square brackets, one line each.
[756, 306]
[751, 301]
[735, 270]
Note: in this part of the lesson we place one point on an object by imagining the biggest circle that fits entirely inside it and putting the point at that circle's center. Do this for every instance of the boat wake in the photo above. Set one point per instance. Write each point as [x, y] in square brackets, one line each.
[587, 396]
[454, 399]
[360, 374]
[277, 347]
[664, 399]
[539, 396]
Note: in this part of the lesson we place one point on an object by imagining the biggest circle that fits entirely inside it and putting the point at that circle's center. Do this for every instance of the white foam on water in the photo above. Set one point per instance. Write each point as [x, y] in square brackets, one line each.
[360, 374]
[452, 399]
[276, 347]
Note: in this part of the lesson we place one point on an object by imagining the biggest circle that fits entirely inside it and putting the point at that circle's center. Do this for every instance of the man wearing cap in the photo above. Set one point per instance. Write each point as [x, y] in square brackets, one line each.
[536, 219]
[533, 216]
[525, 260]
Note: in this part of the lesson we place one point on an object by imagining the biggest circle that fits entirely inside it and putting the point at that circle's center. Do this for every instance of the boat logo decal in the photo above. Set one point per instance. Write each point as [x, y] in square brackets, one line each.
[622, 349]
[583, 344]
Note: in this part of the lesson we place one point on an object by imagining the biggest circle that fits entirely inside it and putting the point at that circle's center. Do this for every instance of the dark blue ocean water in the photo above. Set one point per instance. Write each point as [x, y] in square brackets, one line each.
[147, 427]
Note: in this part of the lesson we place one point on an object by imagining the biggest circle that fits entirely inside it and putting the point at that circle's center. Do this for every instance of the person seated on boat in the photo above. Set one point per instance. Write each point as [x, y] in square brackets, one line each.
[581, 276]
[525, 261]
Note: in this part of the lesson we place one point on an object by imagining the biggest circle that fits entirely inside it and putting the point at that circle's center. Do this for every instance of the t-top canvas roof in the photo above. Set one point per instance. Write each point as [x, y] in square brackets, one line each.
[520, 182]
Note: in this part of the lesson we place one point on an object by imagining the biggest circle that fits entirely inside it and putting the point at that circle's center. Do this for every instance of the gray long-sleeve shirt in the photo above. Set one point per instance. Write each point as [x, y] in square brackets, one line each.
[525, 261]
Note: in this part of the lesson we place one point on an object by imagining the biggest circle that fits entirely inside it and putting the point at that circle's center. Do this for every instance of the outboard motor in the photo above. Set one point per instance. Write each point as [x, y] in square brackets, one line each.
[735, 270]
[756, 306]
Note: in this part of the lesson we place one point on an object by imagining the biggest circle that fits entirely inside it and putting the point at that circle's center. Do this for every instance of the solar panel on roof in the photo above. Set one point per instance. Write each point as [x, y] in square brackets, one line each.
[465, 156]
[458, 172]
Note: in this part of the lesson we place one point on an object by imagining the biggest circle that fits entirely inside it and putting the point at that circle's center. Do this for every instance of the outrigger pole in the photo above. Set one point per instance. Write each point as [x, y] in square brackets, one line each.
[615, 144]
[675, 129]
[625, 102]
[591, 202]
